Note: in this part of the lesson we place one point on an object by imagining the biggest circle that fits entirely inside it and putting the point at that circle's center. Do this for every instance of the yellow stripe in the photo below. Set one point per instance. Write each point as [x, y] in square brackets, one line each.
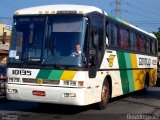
[134, 60]
[68, 75]
[153, 76]
[135, 72]
[139, 75]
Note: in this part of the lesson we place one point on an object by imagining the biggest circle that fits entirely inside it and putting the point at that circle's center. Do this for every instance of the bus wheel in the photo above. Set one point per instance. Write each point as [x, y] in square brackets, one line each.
[105, 95]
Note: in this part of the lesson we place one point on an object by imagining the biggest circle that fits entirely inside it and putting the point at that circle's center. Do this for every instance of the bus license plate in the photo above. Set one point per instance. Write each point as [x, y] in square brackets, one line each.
[38, 93]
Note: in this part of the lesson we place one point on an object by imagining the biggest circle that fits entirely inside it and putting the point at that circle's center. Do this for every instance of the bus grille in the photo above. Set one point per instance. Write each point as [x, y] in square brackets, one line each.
[29, 80]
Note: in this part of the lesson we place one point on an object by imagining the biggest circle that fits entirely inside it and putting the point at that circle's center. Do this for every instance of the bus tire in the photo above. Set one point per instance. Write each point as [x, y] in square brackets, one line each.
[105, 95]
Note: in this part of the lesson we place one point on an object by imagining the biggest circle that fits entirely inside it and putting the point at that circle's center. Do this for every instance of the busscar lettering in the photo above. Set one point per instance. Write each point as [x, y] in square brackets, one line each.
[154, 62]
[144, 61]
[21, 72]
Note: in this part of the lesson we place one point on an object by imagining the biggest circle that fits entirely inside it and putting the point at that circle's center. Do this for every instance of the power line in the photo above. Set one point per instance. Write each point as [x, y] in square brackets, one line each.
[118, 4]
[146, 9]
[151, 6]
[130, 12]
[118, 8]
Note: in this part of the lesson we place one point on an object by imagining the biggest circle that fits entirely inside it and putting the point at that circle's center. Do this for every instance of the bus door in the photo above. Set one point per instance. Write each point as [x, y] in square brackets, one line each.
[96, 43]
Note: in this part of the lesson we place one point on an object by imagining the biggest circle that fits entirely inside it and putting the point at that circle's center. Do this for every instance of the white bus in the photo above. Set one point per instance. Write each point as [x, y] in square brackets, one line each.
[77, 55]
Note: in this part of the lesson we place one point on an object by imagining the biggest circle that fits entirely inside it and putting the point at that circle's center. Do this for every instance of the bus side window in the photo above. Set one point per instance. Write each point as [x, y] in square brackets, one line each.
[112, 35]
[124, 38]
[133, 41]
[156, 49]
[107, 34]
[139, 42]
[127, 39]
[152, 46]
[143, 46]
[119, 38]
[148, 45]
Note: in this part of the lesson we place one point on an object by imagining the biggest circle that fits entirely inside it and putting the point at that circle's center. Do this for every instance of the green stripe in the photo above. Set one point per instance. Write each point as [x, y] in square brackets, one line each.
[123, 73]
[129, 72]
[55, 74]
[43, 74]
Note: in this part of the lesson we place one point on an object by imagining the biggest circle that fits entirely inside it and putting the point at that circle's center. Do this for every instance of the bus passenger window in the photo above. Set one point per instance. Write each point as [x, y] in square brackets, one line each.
[112, 35]
[152, 46]
[107, 34]
[143, 42]
[120, 38]
[133, 41]
[156, 50]
[139, 42]
[148, 45]
[124, 39]
[127, 39]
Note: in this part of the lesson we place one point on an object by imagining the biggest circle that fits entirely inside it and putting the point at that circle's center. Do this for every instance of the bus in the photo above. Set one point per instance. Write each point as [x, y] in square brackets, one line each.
[115, 56]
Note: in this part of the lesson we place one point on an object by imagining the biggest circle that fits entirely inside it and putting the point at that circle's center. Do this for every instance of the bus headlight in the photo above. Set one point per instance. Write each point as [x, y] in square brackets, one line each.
[10, 79]
[80, 83]
[72, 83]
[66, 82]
[13, 80]
[12, 91]
[16, 79]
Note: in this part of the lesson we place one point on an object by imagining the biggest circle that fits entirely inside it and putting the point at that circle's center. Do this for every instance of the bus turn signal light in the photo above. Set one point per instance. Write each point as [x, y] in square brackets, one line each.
[80, 83]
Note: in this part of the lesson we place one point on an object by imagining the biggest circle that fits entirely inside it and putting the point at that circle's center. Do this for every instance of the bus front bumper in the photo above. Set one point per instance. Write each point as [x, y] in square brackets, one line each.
[44, 94]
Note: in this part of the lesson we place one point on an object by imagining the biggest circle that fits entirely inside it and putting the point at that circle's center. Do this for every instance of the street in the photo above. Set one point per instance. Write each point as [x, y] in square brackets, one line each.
[132, 106]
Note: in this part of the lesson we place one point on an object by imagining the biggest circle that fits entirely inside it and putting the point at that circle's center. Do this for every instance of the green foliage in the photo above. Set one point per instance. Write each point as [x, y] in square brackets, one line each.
[157, 34]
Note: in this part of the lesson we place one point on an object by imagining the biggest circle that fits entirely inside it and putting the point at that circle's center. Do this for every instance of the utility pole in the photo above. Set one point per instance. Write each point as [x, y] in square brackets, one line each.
[117, 10]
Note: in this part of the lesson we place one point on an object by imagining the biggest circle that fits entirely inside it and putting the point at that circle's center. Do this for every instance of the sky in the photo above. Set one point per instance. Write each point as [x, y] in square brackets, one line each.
[141, 13]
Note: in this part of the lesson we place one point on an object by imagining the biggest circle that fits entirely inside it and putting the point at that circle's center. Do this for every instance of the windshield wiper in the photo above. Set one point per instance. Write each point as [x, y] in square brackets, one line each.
[56, 65]
[49, 43]
[28, 59]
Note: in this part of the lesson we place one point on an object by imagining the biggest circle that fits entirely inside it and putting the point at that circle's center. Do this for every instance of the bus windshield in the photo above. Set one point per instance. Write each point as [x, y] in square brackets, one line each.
[48, 40]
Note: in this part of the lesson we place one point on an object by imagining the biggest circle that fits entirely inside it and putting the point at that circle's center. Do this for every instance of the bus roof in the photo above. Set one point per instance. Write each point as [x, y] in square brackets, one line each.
[81, 9]
[52, 9]
[130, 25]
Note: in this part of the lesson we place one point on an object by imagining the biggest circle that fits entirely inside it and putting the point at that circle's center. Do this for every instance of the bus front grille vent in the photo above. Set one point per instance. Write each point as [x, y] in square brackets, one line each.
[44, 81]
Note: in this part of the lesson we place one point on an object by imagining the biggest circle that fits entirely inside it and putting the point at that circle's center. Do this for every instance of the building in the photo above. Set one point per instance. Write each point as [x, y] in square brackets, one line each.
[5, 36]
[5, 28]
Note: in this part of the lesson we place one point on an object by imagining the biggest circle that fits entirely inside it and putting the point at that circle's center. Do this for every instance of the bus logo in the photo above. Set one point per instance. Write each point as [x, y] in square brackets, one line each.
[110, 60]
[39, 81]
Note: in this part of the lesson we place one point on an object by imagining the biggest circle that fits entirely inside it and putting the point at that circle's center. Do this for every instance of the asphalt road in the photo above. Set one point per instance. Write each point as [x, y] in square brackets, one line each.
[131, 107]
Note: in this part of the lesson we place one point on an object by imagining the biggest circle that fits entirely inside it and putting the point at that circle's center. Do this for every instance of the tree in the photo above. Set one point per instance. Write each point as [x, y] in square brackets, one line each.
[157, 34]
